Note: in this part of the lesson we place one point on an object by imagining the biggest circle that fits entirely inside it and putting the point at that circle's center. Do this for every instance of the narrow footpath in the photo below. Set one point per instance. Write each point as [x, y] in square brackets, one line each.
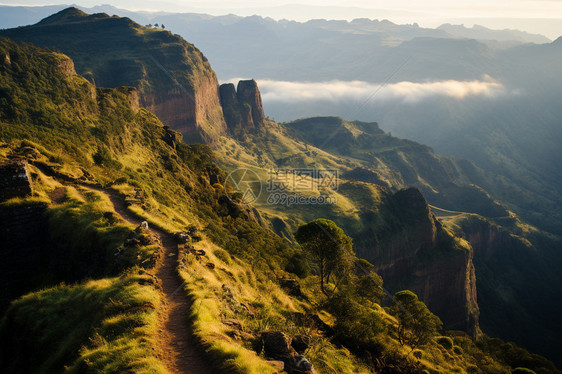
[175, 342]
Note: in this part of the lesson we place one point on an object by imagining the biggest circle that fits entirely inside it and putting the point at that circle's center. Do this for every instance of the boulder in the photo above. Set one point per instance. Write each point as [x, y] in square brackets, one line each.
[277, 345]
[292, 286]
[182, 237]
[300, 343]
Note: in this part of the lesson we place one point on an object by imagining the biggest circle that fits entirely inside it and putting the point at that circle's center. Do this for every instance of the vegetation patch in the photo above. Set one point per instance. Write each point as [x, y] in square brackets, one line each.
[102, 326]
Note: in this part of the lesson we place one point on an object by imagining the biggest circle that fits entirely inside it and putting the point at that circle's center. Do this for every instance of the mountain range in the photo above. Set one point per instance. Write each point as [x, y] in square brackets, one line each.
[468, 242]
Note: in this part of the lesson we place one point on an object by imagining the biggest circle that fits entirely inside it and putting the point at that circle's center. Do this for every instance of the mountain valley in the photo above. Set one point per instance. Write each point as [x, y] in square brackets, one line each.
[117, 186]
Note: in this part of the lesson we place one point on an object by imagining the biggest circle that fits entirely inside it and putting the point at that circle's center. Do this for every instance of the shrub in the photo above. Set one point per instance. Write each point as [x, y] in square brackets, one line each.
[416, 324]
[357, 326]
[298, 265]
[222, 255]
[458, 350]
[103, 157]
[120, 180]
[445, 342]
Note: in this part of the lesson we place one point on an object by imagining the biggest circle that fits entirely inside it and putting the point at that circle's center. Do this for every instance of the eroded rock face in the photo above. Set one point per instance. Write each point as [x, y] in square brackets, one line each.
[249, 93]
[242, 108]
[134, 100]
[419, 255]
[227, 94]
[238, 116]
[195, 113]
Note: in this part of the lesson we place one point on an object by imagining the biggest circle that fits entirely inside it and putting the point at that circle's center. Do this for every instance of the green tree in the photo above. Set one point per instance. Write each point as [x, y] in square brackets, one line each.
[357, 325]
[329, 248]
[367, 283]
[416, 324]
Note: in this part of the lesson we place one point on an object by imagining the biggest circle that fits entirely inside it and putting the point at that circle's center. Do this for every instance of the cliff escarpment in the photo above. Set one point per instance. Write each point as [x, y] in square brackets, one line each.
[411, 250]
[514, 281]
[397, 232]
[173, 78]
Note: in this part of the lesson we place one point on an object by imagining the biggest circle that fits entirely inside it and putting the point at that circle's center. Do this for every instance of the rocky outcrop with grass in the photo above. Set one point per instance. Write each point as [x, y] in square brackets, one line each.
[173, 78]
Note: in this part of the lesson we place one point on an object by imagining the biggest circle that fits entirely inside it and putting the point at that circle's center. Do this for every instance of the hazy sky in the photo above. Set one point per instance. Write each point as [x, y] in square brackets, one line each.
[540, 16]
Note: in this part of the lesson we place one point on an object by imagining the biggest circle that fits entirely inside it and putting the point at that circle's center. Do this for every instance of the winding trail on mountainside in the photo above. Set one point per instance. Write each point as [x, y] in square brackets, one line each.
[175, 344]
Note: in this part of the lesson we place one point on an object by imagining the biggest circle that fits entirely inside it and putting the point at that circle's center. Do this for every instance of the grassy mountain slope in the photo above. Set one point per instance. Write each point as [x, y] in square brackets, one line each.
[396, 231]
[371, 164]
[173, 78]
[447, 184]
[398, 163]
[85, 144]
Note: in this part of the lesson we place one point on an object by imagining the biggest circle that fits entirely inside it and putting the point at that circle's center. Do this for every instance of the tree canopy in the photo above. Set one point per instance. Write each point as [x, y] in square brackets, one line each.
[416, 324]
[328, 247]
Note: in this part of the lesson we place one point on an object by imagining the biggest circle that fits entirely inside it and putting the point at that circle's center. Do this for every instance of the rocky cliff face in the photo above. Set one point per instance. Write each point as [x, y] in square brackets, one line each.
[242, 107]
[173, 78]
[66, 65]
[488, 239]
[195, 113]
[518, 293]
[416, 253]
[249, 93]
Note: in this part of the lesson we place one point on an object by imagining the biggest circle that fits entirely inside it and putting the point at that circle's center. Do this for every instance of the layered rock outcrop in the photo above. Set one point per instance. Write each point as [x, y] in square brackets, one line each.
[242, 107]
[65, 65]
[518, 293]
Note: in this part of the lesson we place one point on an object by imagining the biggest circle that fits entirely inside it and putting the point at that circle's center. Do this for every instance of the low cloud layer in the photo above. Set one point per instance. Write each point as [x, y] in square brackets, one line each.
[409, 92]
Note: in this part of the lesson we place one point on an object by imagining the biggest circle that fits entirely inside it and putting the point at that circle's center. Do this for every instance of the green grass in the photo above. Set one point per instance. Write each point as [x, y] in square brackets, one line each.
[108, 325]
[102, 326]
[86, 232]
[272, 309]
